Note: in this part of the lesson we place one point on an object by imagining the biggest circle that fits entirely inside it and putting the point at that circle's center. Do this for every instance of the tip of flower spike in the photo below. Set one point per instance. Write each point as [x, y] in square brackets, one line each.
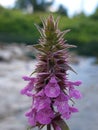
[56, 23]
[51, 18]
[50, 23]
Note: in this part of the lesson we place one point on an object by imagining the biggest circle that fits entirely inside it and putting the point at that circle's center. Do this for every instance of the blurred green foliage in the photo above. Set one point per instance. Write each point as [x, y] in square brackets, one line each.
[42, 5]
[16, 26]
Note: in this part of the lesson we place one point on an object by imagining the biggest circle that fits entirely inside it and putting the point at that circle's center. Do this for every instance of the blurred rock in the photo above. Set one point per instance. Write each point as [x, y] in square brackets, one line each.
[5, 55]
[13, 51]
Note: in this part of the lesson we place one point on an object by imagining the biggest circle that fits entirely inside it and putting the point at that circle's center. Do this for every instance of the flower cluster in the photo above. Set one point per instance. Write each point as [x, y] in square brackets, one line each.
[50, 90]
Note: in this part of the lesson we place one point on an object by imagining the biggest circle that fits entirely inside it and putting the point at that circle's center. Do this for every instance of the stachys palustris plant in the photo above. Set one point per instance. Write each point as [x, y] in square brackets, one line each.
[50, 89]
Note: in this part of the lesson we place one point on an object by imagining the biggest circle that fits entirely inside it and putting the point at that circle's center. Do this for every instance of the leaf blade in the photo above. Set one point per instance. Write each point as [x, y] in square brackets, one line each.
[63, 125]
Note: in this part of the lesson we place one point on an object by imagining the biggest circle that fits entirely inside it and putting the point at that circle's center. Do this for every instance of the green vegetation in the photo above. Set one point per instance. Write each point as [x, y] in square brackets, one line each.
[42, 5]
[16, 26]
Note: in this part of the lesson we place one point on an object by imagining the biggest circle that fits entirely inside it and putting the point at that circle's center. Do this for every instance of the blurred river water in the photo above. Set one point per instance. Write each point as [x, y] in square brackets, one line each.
[13, 105]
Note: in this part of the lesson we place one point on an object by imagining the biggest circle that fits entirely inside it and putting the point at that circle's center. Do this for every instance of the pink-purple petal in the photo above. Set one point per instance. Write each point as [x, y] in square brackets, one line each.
[66, 115]
[28, 89]
[75, 93]
[72, 84]
[44, 116]
[26, 78]
[52, 89]
[31, 117]
[41, 102]
[61, 102]
[77, 83]
[73, 109]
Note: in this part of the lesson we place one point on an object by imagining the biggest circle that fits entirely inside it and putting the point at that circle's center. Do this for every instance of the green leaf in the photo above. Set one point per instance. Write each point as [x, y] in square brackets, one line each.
[62, 124]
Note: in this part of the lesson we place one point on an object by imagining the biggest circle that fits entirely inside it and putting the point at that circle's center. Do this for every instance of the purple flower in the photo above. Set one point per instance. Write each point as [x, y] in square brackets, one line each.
[73, 109]
[72, 84]
[63, 107]
[27, 90]
[42, 116]
[68, 113]
[77, 83]
[31, 117]
[52, 89]
[41, 111]
[75, 93]
[41, 101]
[45, 116]
[62, 104]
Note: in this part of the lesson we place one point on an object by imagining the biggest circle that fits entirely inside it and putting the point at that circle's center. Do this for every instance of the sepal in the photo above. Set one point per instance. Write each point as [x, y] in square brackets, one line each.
[62, 124]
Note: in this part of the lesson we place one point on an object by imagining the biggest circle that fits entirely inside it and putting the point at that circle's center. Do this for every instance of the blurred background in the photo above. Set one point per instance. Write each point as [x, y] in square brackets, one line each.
[17, 58]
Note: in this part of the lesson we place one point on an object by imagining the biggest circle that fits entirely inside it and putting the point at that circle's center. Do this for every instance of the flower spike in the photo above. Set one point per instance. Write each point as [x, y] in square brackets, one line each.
[50, 89]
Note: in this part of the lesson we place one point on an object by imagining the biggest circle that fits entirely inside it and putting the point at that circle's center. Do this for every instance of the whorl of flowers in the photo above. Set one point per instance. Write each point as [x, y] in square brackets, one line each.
[51, 91]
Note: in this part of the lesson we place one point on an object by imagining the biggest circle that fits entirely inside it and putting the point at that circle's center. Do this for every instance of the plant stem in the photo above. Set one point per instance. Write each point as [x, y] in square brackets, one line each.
[49, 127]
